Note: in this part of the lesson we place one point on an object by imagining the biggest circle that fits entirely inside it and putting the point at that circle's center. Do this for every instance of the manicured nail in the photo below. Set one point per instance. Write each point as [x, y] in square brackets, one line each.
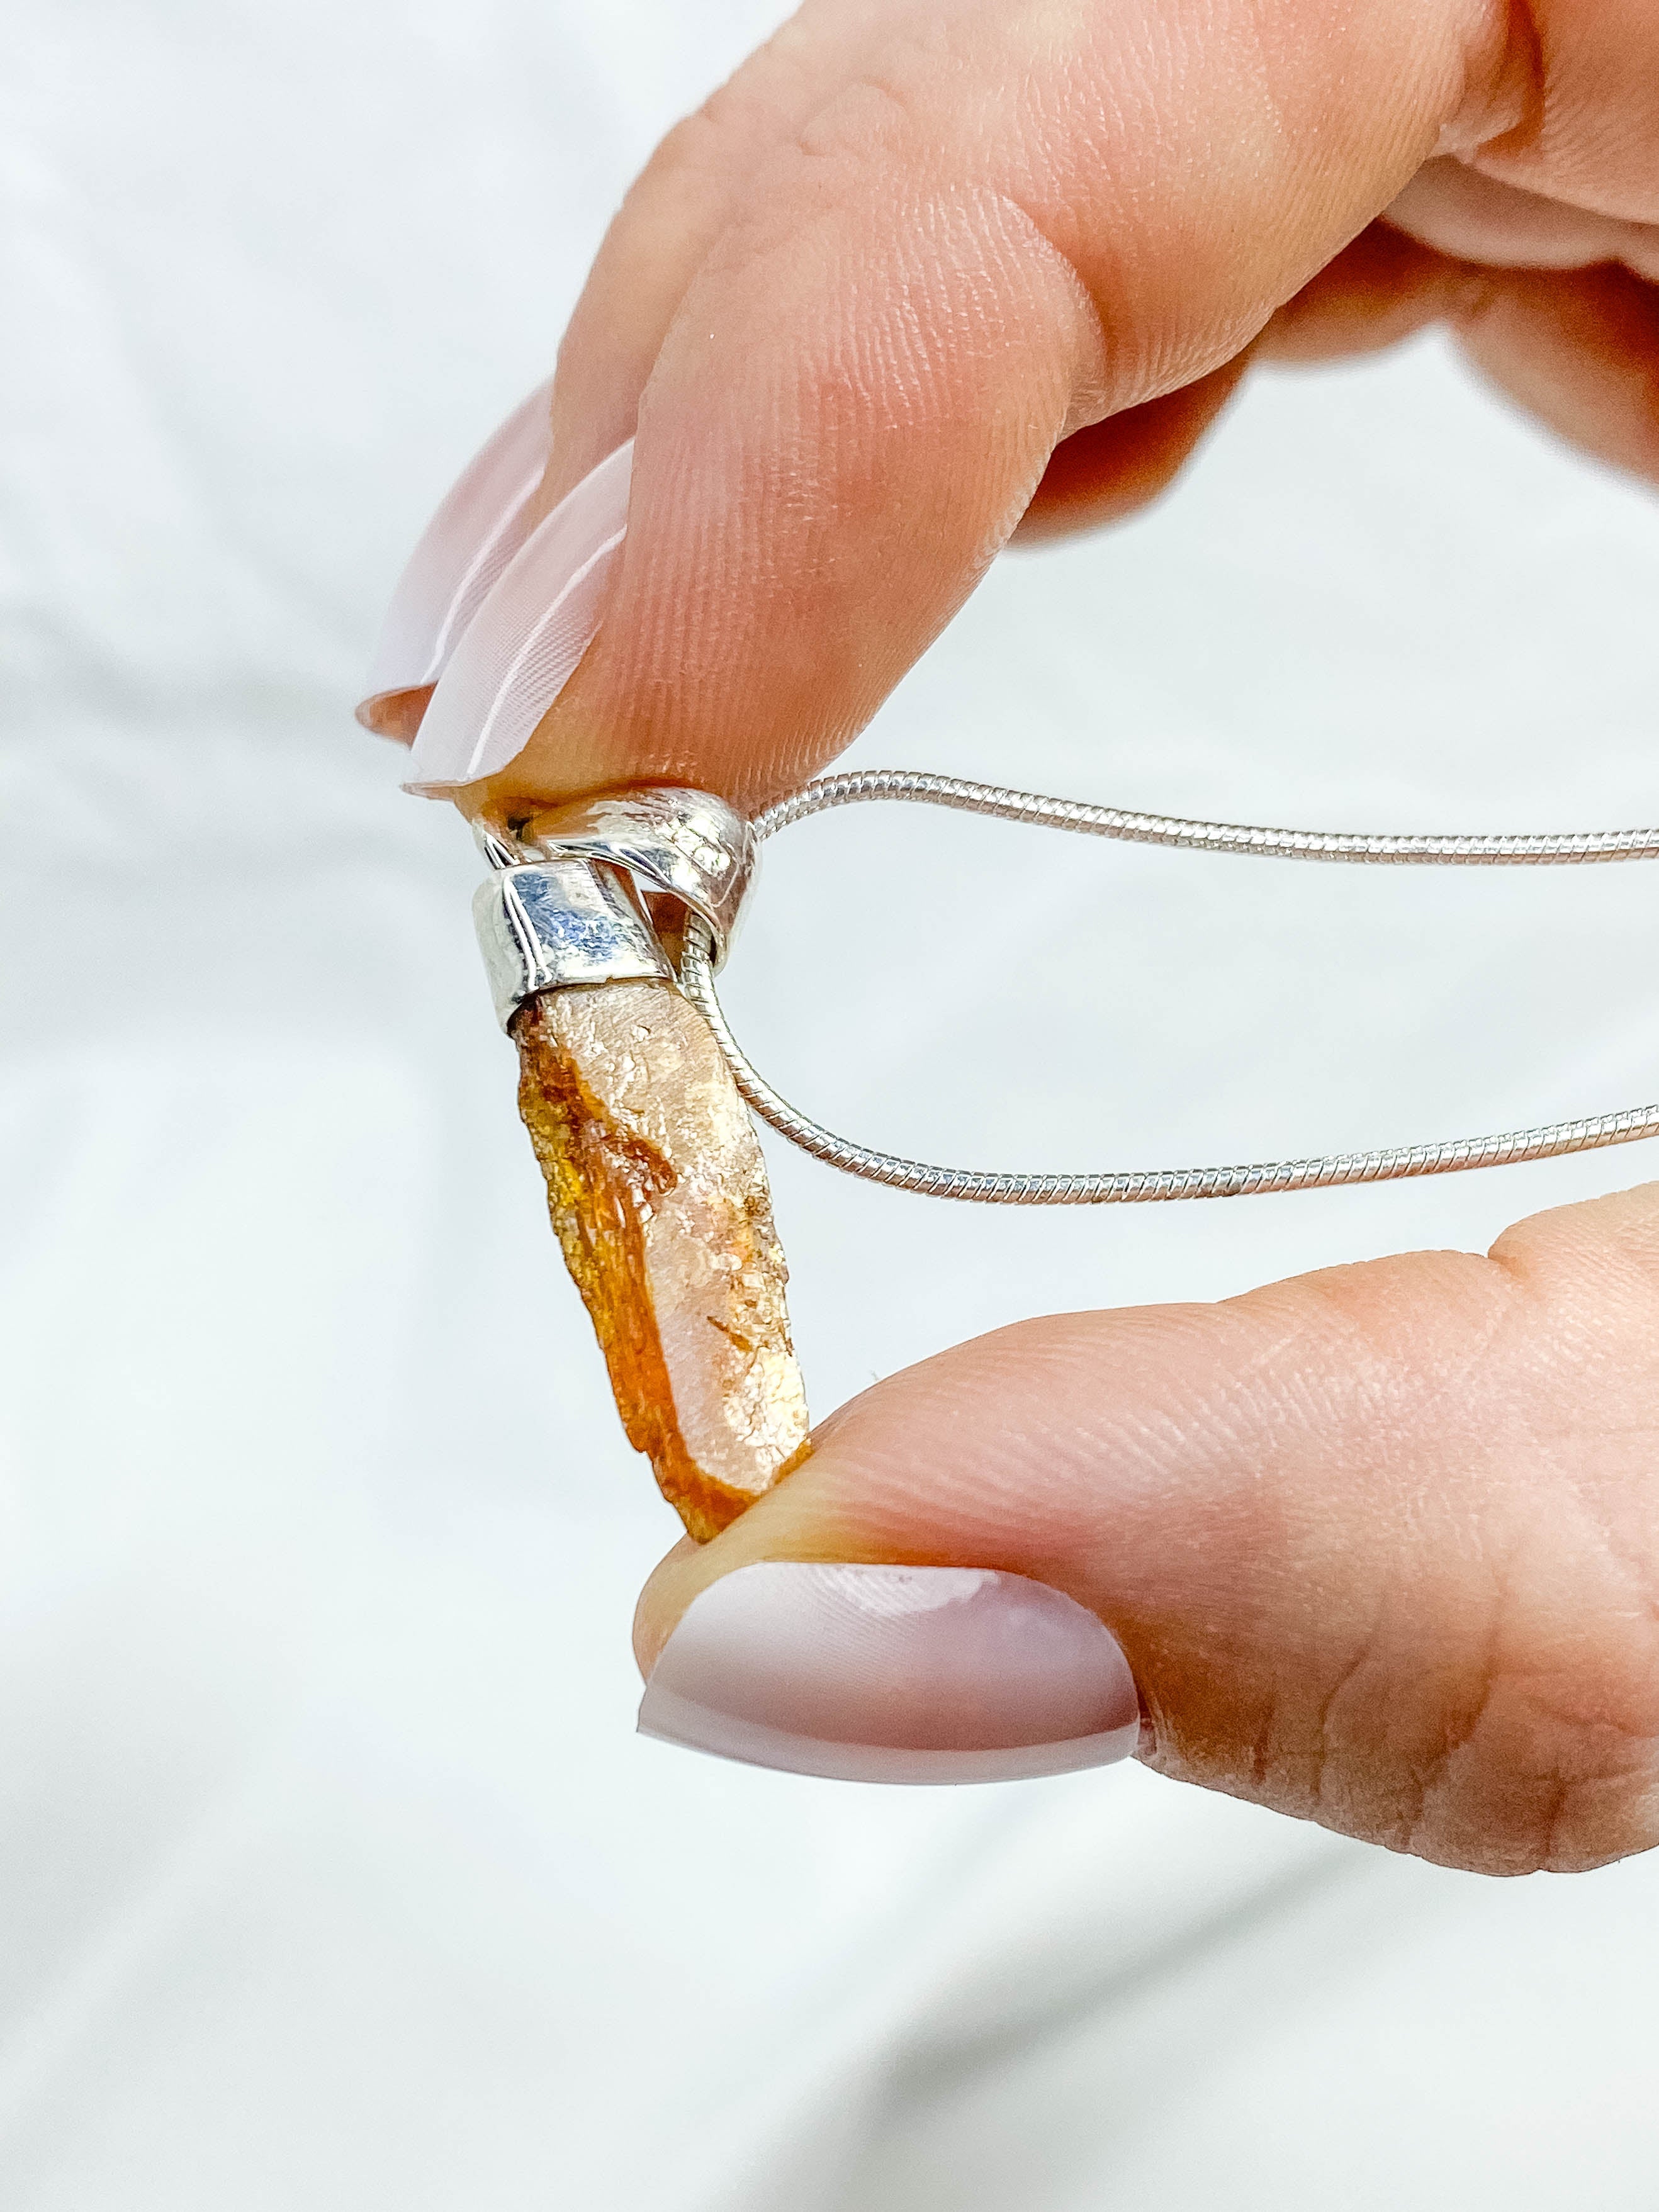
[522, 646]
[893, 1674]
[483, 520]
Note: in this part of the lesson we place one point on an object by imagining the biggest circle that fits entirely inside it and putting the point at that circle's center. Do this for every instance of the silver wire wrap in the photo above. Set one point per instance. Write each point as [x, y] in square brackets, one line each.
[1146, 1186]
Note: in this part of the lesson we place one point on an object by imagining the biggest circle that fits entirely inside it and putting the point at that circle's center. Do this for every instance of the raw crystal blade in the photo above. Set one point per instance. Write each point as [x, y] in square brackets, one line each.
[657, 1191]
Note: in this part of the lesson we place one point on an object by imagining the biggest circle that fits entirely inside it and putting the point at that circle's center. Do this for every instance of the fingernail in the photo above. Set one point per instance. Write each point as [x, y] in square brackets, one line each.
[482, 523]
[522, 646]
[875, 1673]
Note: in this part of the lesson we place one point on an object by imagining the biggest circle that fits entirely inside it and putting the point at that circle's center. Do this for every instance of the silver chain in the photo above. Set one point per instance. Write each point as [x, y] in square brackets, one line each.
[1141, 1187]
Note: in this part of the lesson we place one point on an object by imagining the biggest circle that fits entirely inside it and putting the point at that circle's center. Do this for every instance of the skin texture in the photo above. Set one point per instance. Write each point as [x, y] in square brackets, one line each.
[925, 275]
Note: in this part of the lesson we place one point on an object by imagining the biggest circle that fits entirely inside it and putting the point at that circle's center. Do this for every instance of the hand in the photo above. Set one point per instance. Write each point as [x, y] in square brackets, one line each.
[1381, 1545]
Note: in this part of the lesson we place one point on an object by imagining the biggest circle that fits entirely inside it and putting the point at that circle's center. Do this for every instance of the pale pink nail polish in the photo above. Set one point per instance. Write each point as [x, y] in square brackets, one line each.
[481, 524]
[881, 1673]
[522, 646]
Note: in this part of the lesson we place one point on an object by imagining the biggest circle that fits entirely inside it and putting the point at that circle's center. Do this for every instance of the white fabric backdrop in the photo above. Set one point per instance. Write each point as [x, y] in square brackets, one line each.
[331, 1874]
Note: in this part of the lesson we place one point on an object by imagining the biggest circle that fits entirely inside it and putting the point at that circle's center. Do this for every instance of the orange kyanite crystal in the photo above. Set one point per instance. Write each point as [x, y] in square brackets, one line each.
[658, 1192]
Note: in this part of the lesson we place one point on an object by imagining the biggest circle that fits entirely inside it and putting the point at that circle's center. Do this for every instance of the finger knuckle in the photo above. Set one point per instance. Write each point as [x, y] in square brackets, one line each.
[1557, 1769]
[872, 116]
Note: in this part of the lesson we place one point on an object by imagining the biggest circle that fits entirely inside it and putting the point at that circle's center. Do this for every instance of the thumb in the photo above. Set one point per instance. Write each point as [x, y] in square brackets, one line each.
[1378, 1546]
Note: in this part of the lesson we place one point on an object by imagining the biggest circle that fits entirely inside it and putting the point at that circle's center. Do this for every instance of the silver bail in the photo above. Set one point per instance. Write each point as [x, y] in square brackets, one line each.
[567, 901]
[685, 847]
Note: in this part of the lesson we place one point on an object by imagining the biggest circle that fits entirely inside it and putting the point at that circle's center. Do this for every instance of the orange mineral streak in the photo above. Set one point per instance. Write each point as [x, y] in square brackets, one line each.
[658, 1192]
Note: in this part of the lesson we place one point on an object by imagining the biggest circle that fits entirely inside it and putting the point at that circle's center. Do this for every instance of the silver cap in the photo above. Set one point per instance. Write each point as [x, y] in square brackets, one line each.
[544, 925]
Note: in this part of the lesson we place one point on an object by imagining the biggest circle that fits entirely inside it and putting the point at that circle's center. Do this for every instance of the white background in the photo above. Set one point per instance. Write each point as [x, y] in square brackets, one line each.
[331, 1874]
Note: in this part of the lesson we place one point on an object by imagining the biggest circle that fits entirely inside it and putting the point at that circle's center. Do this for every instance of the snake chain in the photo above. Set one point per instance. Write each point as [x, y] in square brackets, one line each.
[1140, 1187]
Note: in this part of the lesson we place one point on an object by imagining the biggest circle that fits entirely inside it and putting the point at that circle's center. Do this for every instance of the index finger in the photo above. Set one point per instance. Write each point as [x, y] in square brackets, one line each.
[893, 276]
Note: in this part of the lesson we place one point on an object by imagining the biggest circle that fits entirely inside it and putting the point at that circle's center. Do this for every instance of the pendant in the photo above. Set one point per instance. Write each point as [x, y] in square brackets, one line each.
[656, 1186]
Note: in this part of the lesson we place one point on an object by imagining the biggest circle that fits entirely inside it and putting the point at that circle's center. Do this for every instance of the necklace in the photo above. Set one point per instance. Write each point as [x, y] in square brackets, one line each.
[602, 923]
